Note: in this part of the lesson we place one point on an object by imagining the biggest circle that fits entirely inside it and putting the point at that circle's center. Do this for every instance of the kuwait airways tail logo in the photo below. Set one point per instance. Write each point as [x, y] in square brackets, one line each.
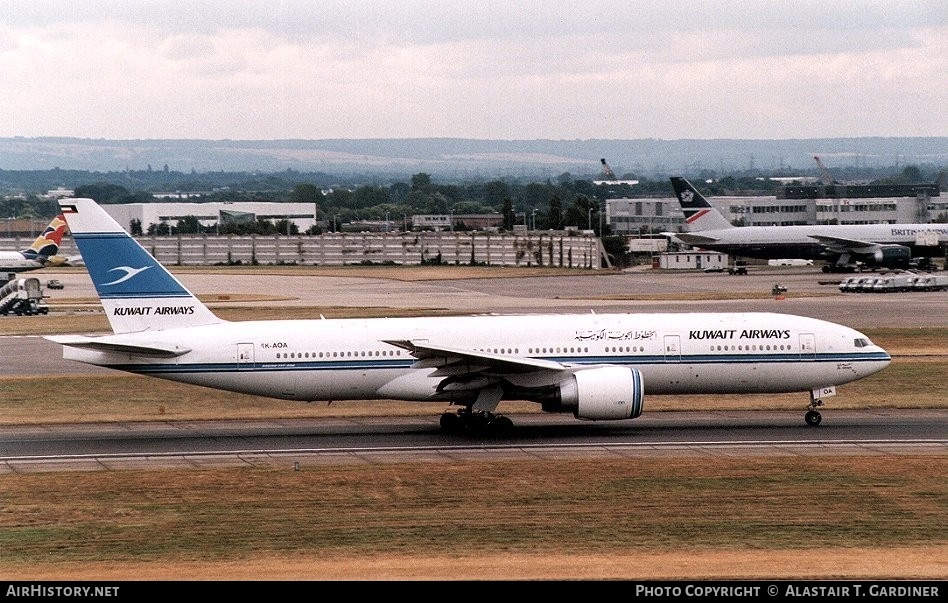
[128, 271]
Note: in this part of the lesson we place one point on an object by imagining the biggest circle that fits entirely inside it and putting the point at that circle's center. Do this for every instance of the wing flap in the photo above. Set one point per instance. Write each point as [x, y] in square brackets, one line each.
[117, 344]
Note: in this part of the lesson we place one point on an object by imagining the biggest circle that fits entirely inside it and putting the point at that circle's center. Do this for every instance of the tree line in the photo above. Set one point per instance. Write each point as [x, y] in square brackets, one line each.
[552, 204]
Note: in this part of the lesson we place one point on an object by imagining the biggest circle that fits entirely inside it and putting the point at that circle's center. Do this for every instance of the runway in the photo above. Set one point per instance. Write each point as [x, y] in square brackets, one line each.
[301, 442]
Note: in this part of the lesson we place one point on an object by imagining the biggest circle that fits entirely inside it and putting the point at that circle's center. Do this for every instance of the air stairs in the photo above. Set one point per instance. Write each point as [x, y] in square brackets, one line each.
[23, 297]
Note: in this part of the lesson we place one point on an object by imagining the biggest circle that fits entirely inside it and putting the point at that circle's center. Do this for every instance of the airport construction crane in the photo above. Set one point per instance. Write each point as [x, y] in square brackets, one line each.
[607, 173]
[608, 177]
[825, 176]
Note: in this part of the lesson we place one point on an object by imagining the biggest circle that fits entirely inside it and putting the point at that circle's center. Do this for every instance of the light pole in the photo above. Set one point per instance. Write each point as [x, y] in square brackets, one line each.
[534, 219]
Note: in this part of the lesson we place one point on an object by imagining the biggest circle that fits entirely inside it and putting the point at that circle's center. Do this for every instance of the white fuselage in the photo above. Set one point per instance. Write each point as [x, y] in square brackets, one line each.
[14, 261]
[800, 241]
[350, 359]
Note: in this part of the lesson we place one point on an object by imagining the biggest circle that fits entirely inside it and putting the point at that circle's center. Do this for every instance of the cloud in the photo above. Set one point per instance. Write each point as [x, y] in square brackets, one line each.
[296, 69]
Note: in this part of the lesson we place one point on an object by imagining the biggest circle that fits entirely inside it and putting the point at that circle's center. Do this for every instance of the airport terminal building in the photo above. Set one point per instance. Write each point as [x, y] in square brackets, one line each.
[895, 204]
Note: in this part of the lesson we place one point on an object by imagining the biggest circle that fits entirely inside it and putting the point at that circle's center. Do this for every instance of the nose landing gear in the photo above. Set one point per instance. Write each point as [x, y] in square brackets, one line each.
[813, 416]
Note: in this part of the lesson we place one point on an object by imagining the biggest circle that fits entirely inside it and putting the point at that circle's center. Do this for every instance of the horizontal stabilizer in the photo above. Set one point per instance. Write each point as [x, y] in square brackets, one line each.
[116, 344]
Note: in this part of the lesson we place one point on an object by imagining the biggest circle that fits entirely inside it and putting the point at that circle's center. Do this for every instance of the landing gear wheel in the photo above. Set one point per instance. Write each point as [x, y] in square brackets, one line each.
[501, 425]
[504, 423]
[813, 418]
[450, 422]
[475, 423]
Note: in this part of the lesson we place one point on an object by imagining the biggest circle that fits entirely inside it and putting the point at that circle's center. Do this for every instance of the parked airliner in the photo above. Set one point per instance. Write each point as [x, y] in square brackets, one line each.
[40, 254]
[842, 245]
[595, 366]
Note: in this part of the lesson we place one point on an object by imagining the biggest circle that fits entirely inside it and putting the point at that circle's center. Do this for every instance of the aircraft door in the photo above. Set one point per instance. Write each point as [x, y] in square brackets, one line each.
[807, 346]
[245, 356]
[672, 345]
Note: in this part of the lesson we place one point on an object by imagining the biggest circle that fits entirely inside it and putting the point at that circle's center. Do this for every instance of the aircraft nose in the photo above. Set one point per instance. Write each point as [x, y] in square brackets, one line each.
[885, 359]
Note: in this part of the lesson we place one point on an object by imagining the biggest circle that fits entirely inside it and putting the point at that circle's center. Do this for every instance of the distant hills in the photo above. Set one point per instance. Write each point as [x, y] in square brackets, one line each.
[460, 159]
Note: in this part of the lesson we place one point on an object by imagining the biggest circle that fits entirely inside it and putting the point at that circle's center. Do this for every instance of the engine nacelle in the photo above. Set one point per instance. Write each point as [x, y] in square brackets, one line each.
[604, 393]
[892, 255]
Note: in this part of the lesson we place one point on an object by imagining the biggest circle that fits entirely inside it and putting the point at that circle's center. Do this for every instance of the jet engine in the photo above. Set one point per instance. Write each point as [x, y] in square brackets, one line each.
[893, 256]
[603, 393]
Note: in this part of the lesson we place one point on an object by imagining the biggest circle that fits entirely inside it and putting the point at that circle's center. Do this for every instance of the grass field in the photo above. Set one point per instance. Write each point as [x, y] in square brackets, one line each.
[814, 517]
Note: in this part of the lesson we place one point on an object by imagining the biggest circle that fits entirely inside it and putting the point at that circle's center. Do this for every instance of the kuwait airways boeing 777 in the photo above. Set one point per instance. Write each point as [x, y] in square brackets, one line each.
[595, 366]
[841, 245]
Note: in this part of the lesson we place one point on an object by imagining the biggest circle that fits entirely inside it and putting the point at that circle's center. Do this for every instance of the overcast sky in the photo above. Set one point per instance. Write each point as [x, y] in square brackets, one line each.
[486, 69]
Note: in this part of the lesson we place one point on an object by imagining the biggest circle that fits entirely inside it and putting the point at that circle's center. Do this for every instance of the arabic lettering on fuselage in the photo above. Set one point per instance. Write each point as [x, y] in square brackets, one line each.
[631, 334]
[626, 335]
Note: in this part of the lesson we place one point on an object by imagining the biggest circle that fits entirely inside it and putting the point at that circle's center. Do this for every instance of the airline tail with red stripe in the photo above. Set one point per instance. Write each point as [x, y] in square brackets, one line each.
[699, 214]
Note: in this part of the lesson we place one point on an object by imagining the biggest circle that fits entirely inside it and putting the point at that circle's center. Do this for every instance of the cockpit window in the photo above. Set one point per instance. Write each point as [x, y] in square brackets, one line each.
[862, 342]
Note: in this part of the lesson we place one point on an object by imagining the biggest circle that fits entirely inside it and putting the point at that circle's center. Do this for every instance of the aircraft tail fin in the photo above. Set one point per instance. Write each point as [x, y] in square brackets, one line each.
[47, 244]
[699, 214]
[136, 291]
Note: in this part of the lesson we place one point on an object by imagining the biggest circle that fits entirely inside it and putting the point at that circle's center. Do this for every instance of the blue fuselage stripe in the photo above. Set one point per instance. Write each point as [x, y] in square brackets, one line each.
[367, 365]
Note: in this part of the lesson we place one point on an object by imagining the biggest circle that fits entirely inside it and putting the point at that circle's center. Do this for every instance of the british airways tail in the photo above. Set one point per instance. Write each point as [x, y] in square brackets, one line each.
[47, 244]
[699, 214]
[137, 293]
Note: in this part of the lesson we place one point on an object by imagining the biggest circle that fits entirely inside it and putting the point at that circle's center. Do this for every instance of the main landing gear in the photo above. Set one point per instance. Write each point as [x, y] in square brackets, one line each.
[472, 422]
[813, 416]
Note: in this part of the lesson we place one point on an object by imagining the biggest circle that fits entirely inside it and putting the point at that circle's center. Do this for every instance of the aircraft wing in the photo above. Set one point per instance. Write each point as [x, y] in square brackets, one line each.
[116, 344]
[475, 361]
[694, 239]
[840, 244]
